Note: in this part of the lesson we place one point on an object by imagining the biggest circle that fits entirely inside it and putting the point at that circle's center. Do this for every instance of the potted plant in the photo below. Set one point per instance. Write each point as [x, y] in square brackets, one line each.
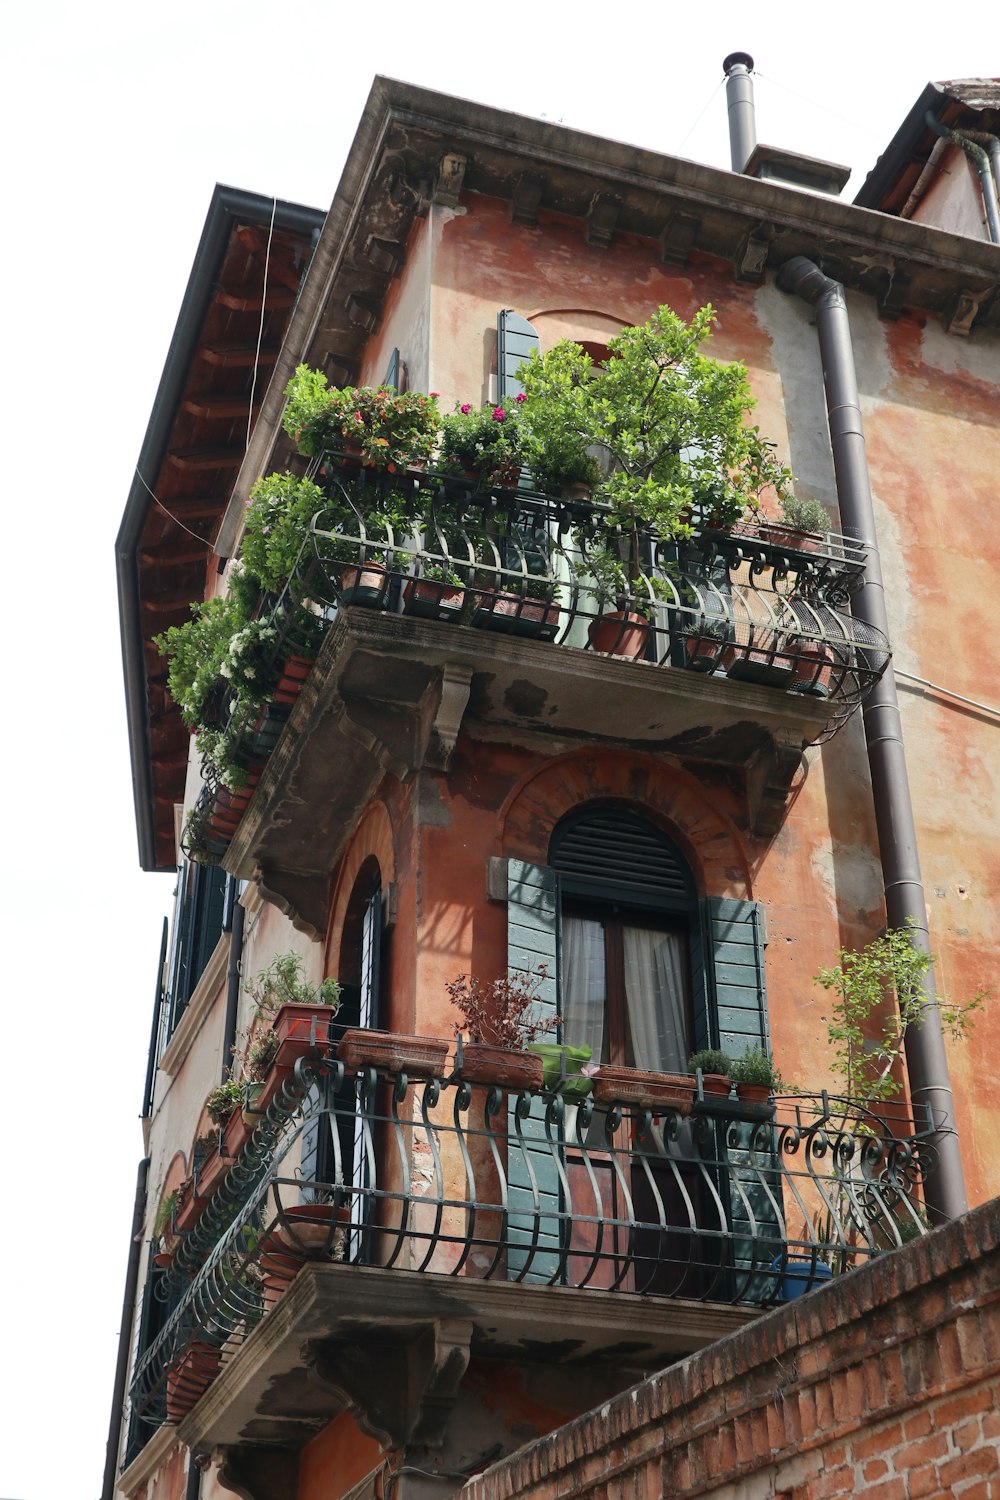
[620, 628]
[483, 445]
[804, 523]
[560, 460]
[438, 593]
[164, 1231]
[387, 430]
[499, 1019]
[755, 1076]
[705, 640]
[715, 1067]
[294, 1010]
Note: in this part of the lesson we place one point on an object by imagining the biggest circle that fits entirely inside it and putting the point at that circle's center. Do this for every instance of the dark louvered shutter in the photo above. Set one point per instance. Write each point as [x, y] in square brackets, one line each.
[515, 340]
[611, 855]
[532, 1172]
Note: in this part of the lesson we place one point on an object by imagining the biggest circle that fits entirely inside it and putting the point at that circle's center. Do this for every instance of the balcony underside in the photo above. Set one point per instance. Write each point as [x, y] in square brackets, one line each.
[393, 1346]
[390, 693]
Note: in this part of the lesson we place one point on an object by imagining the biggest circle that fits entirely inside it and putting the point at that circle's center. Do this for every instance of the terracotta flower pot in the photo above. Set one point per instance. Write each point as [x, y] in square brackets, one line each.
[501, 1066]
[429, 599]
[813, 669]
[302, 1031]
[511, 614]
[366, 584]
[753, 1093]
[704, 652]
[716, 1085]
[646, 1090]
[620, 633]
[393, 1052]
[190, 1376]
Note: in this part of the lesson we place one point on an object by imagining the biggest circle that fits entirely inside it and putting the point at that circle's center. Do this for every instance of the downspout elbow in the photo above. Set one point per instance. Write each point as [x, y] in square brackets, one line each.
[803, 278]
[965, 141]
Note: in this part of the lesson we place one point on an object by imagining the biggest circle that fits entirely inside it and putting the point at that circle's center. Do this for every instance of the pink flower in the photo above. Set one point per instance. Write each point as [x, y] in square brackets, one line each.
[498, 414]
[520, 396]
[433, 395]
[465, 409]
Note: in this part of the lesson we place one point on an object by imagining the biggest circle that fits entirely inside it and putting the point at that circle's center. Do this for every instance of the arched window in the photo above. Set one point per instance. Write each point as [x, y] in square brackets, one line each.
[360, 976]
[628, 907]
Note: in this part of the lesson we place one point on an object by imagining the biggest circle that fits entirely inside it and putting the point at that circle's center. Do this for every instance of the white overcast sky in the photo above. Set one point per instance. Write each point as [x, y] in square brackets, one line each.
[117, 120]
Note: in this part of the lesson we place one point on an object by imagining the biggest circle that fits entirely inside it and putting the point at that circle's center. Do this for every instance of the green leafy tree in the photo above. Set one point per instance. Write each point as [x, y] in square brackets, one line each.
[671, 420]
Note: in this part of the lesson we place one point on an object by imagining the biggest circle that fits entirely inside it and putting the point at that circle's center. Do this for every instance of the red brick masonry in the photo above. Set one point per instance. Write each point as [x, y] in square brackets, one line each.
[883, 1383]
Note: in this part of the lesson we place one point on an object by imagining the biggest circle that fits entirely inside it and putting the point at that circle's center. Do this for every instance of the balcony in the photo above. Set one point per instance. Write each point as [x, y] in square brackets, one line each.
[735, 649]
[457, 1221]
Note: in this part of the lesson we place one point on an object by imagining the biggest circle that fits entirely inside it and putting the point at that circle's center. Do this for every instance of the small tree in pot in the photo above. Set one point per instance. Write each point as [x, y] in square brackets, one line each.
[672, 423]
[499, 1019]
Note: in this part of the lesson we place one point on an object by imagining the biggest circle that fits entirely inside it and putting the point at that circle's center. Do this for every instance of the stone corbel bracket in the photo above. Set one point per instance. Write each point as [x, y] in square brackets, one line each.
[401, 1384]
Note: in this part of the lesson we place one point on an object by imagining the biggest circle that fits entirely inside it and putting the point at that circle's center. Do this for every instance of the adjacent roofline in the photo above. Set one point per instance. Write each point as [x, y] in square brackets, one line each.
[229, 206]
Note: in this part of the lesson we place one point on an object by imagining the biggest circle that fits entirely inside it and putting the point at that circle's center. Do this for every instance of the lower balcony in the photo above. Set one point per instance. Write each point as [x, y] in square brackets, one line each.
[372, 1242]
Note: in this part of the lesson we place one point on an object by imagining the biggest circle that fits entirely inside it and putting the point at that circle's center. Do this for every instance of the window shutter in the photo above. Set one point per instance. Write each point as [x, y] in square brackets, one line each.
[210, 902]
[392, 373]
[737, 951]
[515, 340]
[736, 935]
[532, 1173]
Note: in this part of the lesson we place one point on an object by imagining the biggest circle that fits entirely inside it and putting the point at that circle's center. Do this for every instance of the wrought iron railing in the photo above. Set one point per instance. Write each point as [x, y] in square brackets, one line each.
[755, 603]
[737, 1204]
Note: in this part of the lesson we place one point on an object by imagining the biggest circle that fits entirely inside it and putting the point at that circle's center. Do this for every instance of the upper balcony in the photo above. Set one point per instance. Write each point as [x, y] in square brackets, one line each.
[444, 1220]
[733, 649]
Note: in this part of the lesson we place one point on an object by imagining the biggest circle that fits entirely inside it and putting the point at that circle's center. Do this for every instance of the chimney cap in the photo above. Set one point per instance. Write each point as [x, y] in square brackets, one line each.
[734, 59]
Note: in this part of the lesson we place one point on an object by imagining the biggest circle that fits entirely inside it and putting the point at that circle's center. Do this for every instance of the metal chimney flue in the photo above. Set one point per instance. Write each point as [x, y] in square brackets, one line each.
[738, 67]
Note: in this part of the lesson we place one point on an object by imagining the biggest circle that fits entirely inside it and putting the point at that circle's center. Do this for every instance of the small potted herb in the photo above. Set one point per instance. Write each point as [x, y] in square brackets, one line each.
[715, 1067]
[755, 1076]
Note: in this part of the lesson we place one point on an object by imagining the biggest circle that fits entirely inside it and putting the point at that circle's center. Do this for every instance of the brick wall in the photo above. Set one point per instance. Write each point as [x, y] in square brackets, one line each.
[884, 1383]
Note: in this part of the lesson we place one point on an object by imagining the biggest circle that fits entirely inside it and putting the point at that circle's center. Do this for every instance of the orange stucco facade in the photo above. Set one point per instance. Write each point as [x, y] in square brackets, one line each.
[933, 450]
[433, 831]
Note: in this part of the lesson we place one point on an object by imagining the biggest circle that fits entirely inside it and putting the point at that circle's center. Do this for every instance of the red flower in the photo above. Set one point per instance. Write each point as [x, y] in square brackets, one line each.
[520, 396]
[498, 414]
[465, 409]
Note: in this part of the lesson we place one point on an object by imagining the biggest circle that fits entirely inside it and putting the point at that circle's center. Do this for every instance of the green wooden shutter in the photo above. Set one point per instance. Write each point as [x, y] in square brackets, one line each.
[532, 1171]
[515, 340]
[739, 1020]
[392, 372]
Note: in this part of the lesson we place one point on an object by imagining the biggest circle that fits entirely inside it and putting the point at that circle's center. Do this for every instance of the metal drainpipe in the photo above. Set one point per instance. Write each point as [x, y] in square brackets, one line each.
[964, 140]
[739, 97]
[926, 1060]
[125, 1333]
[992, 144]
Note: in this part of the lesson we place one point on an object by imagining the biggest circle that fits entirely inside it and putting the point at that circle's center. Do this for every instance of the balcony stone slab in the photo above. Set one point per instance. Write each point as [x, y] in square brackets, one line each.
[390, 694]
[393, 1347]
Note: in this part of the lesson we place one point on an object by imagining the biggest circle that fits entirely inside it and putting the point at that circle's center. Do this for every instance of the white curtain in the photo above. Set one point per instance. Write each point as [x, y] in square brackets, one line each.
[584, 986]
[655, 999]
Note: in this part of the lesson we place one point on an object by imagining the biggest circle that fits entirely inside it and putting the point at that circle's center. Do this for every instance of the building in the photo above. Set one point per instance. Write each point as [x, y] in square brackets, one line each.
[439, 798]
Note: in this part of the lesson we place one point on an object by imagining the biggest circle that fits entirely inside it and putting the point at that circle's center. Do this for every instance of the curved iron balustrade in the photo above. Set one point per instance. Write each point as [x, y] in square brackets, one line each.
[756, 602]
[727, 1205]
